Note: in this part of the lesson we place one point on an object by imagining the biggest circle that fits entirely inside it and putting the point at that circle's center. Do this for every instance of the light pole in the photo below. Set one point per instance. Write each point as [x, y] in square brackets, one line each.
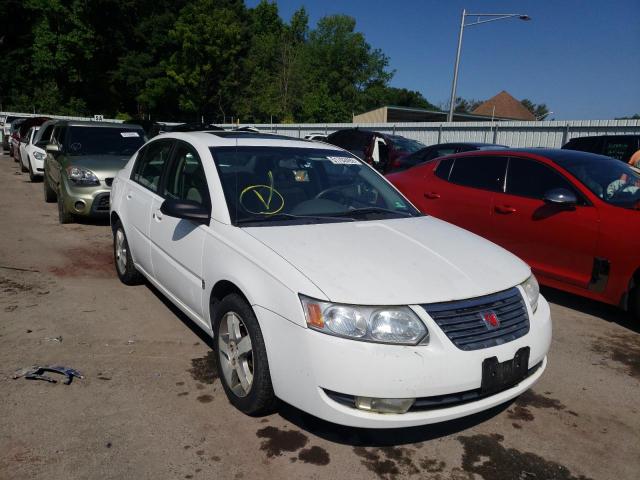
[488, 17]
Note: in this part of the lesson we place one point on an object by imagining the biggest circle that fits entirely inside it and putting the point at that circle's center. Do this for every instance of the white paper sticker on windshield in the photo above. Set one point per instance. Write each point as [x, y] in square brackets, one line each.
[129, 134]
[344, 160]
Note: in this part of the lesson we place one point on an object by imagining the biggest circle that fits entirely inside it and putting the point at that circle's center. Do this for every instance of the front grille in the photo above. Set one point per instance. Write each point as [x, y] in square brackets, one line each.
[463, 323]
[108, 181]
[101, 203]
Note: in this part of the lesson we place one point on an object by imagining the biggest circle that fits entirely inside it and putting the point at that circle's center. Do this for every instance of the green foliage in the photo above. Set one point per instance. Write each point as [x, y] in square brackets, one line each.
[540, 111]
[466, 105]
[184, 59]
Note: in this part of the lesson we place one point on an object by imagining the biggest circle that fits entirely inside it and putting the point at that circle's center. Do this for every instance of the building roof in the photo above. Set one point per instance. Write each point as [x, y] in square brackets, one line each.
[503, 105]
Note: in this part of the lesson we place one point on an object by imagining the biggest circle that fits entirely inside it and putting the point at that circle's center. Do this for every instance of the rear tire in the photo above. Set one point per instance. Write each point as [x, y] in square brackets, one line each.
[244, 374]
[23, 169]
[127, 272]
[49, 193]
[64, 216]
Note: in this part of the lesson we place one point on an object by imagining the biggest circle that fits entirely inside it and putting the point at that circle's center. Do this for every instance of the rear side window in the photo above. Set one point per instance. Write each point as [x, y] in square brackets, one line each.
[444, 168]
[528, 178]
[151, 160]
[486, 173]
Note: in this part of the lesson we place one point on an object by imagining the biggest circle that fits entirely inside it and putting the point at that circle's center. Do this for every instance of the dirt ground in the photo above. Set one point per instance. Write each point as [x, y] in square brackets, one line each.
[151, 406]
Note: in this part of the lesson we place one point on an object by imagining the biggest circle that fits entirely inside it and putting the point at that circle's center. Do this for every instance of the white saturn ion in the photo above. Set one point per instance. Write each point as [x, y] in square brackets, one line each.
[321, 285]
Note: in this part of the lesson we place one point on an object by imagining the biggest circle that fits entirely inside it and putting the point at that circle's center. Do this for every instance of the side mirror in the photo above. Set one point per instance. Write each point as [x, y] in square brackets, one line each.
[187, 210]
[560, 197]
[53, 148]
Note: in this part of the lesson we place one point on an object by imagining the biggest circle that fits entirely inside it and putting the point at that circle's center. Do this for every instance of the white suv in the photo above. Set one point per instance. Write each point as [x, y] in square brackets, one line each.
[322, 285]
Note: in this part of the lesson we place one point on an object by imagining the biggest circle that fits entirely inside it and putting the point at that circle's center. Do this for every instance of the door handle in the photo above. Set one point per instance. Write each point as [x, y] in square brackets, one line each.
[504, 209]
[431, 195]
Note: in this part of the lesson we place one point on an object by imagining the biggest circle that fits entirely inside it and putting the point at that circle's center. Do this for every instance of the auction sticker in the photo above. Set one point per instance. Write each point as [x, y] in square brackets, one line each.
[344, 160]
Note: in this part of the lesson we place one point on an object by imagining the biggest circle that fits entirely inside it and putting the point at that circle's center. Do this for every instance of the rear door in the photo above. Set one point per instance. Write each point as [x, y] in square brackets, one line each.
[557, 242]
[141, 190]
[462, 192]
[177, 244]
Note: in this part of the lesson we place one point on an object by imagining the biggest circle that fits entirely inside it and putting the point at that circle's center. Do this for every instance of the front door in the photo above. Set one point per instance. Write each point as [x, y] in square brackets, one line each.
[557, 242]
[177, 244]
[139, 195]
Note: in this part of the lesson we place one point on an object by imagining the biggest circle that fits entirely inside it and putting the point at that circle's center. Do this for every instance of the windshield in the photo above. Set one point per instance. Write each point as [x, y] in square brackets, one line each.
[276, 184]
[406, 144]
[612, 180]
[104, 140]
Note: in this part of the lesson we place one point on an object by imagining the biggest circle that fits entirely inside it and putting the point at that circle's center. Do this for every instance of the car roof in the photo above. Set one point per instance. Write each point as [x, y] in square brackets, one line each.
[629, 136]
[556, 155]
[244, 139]
[83, 123]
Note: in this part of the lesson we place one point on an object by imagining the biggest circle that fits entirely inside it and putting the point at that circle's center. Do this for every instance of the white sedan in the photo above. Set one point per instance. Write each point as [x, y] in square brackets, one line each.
[31, 155]
[322, 285]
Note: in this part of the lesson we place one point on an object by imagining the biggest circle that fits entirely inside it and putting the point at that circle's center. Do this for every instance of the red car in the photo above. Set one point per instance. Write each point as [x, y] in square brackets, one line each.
[573, 216]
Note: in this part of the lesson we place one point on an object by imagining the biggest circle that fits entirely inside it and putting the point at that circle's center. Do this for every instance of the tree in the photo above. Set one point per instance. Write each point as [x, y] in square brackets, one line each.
[540, 111]
[466, 106]
[339, 60]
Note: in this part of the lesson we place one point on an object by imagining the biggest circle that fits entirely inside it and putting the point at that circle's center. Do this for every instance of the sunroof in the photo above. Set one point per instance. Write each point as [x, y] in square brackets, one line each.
[252, 135]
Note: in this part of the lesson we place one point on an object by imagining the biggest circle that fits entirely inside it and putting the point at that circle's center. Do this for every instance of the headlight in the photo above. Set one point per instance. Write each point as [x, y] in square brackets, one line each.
[82, 176]
[532, 290]
[396, 325]
[39, 155]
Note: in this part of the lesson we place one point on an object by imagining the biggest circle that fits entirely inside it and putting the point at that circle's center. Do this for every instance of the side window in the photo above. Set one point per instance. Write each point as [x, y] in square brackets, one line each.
[444, 169]
[59, 135]
[528, 178]
[151, 160]
[186, 179]
[46, 134]
[486, 173]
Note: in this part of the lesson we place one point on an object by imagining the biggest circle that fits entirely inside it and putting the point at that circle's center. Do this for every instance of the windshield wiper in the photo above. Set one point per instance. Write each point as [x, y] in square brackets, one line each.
[290, 216]
[368, 210]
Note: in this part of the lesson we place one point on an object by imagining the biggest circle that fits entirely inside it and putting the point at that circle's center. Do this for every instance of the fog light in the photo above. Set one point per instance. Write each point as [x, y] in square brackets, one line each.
[79, 206]
[384, 405]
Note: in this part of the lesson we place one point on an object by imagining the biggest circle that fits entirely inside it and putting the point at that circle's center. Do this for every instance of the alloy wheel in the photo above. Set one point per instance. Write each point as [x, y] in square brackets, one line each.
[236, 354]
[121, 252]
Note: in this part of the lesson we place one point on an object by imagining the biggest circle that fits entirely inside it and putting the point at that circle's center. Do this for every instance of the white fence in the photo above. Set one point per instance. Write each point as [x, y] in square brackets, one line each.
[551, 134]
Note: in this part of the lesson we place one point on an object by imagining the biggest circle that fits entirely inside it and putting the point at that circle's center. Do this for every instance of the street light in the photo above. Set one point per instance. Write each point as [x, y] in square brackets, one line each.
[488, 17]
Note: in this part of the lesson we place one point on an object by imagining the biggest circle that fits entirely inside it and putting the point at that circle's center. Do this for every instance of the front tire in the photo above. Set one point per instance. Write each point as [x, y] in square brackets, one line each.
[127, 272]
[64, 216]
[32, 177]
[241, 357]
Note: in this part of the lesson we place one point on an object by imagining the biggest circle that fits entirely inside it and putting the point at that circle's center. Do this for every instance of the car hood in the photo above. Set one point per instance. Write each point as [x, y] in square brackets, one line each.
[104, 166]
[394, 262]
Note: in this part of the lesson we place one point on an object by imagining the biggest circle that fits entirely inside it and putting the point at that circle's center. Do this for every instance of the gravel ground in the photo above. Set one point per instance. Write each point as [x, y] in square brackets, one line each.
[151, 406]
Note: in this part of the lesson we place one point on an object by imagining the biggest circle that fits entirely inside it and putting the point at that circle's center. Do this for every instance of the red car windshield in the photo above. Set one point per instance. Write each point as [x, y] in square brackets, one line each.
[613, 181]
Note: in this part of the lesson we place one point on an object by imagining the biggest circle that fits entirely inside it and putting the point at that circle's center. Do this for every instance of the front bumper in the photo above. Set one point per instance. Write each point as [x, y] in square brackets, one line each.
[86, 201]
[304, 364]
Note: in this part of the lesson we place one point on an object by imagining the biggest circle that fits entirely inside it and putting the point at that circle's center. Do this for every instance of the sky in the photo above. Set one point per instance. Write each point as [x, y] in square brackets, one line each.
[580, 57]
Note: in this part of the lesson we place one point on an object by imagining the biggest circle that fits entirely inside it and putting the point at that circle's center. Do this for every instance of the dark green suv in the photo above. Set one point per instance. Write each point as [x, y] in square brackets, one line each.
[82, 159]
